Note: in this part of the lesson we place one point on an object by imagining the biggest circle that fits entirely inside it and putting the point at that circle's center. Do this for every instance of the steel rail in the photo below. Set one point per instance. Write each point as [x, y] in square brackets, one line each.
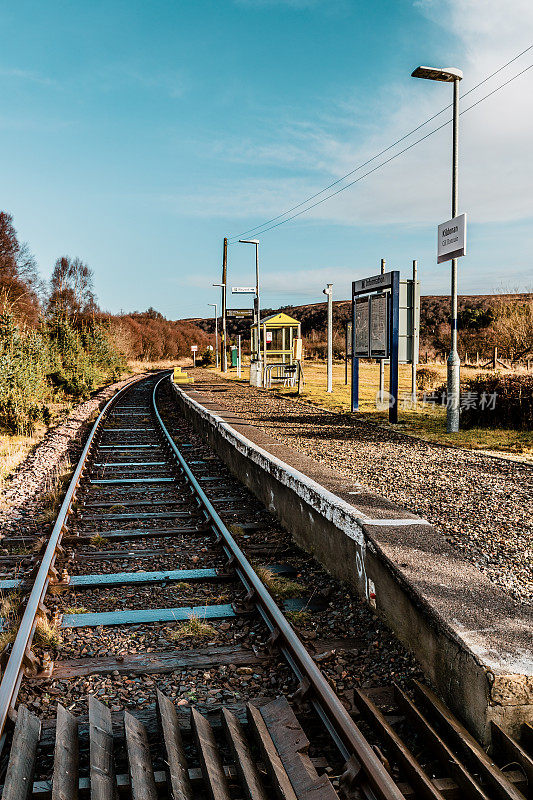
[314, 684]
[14, 671]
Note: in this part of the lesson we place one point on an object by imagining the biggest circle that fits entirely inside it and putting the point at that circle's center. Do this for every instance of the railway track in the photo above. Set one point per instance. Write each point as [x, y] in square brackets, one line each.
[144, 494]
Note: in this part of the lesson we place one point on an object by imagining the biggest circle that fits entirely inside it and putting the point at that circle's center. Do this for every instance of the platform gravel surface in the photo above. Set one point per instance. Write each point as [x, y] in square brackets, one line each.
[483, 505]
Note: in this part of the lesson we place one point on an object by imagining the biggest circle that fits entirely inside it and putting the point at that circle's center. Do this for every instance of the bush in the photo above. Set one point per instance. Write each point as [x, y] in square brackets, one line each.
[426, 378]
[498, 401]
[58, 358]
[81, 359]
[24, 363]
[207, 358]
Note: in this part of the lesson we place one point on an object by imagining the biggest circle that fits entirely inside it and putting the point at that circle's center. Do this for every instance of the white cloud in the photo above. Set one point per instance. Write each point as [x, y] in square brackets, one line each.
[117, 75]
[27, 75]
[496, 168]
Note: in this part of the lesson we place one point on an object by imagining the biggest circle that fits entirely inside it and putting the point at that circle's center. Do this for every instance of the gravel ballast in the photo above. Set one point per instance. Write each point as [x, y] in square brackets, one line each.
[483, 505]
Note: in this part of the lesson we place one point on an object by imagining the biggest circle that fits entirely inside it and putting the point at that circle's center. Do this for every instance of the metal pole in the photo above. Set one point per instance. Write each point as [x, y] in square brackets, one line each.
[258, 304]
[239, 370]
[355, 364]
[216, 332]
[382, 360]
[346, 355]
[454, 363]
[414, 359]
[394, 337]
[216, 337]
[224, 281]
[329, 294]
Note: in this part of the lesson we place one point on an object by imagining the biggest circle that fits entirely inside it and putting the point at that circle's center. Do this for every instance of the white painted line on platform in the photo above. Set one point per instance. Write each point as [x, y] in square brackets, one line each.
[402, 521]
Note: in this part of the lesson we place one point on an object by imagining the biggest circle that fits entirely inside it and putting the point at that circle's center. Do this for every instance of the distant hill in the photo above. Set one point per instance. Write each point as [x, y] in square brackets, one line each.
[477, 314]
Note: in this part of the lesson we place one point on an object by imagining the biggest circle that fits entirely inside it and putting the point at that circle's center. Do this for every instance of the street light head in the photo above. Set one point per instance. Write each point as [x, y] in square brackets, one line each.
[249, 241]
[448, 74]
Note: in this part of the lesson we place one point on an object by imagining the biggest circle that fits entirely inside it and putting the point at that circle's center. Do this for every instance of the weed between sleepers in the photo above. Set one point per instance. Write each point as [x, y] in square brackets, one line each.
[279, 585]
[193, 627]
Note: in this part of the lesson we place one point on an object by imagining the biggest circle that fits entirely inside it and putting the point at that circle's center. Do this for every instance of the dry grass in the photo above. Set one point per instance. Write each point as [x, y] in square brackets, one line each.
[138, 367]
[299, 618]
[7, 636]
[52, 499]
[98, 540]
[277, 584]
[47, 634]
[10, 616]
[14, 449]
[76, 610]
[194, 627]
[425, 421]
[9, 605]
[236, 530]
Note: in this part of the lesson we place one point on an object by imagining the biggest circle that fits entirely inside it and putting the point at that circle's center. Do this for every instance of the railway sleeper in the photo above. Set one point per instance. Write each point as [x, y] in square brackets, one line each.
[269, 754]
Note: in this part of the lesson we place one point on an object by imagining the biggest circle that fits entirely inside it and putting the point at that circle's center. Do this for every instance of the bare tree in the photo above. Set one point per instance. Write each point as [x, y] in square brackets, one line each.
[20, 285]
[71, 286]
[513, 328]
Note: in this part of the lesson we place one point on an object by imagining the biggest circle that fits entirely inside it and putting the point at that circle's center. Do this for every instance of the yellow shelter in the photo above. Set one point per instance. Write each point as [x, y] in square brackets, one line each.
[278, 335]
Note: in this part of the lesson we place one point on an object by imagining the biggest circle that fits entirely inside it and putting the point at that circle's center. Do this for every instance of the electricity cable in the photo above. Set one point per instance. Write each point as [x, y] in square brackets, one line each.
[388, 160]
[234, 238]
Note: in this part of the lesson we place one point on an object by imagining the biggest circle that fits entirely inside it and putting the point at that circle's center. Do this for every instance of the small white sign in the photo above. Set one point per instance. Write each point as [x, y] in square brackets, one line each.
[243, 290]
[194, 348]
[451, 241]
[269, 336]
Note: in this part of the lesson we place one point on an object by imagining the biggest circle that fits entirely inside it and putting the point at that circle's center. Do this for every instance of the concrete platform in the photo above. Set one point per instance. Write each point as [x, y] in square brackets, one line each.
[473, 641]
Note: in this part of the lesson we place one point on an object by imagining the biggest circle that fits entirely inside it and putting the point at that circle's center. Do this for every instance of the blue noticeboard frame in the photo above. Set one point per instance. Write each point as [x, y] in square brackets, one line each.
[388, 282]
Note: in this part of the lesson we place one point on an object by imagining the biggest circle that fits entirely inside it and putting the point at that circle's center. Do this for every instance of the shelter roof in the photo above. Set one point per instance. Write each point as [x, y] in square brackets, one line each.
[279, 320]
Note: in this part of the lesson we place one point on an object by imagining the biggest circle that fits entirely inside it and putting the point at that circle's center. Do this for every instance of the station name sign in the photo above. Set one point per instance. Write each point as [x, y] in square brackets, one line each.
[451, 239]
[240, 313]
[242, 290]
[374, 284]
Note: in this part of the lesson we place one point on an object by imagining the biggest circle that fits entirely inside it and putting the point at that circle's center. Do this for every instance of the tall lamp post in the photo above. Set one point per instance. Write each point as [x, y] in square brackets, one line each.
[258, 319]
[223, 343]
[216, 331]
[450, 75]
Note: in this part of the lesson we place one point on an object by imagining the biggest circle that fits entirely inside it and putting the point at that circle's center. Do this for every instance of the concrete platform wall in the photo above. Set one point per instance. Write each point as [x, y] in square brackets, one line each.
[377, 556]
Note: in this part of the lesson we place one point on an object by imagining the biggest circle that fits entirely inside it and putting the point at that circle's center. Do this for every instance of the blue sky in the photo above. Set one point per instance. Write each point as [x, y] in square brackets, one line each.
[137, 135]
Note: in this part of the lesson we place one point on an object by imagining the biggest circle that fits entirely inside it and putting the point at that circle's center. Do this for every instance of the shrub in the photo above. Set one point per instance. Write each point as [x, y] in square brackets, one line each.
[24, 363]
[498, 401]
[426, 378]
[81, 359]
[207, 358]
[58, 357]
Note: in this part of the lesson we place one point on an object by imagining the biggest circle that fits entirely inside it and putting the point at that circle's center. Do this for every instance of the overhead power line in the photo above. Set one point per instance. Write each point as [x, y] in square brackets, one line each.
[382, 152]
